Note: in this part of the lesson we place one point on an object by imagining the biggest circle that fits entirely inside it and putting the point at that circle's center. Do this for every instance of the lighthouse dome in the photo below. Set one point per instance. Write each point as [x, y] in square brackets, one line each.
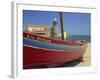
[55, 19]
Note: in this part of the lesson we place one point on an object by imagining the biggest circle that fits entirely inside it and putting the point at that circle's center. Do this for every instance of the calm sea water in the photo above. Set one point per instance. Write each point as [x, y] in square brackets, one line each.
[79, 37]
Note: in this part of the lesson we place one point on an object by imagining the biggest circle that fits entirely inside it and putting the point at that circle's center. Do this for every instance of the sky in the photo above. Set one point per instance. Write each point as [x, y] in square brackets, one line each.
[74, 23]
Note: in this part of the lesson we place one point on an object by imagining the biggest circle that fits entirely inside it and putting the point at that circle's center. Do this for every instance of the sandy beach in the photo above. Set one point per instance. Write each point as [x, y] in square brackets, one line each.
[86, 57]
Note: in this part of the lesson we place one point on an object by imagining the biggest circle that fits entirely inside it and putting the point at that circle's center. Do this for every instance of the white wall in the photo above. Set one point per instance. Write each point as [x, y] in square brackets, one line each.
[5, 40]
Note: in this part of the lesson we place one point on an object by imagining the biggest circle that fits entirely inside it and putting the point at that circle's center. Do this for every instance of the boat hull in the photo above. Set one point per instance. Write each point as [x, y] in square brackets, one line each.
[34, 57]
[41, 56]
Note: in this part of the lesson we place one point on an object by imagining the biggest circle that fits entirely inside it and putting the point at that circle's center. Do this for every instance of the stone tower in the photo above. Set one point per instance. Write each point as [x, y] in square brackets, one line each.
[55, 28]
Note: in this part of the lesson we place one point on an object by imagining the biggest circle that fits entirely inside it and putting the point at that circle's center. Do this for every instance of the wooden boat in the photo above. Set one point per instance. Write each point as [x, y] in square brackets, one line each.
[40, 51]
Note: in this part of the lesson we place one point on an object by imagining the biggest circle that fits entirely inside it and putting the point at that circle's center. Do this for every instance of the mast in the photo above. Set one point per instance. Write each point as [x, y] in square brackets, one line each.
[61, 24]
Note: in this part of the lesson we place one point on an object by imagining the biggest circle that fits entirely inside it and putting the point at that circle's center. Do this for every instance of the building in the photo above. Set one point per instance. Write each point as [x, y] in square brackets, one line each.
[43, 30]
[40, 30]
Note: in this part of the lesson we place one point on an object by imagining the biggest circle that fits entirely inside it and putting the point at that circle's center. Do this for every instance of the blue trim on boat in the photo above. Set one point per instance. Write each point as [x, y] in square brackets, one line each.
[40, 44]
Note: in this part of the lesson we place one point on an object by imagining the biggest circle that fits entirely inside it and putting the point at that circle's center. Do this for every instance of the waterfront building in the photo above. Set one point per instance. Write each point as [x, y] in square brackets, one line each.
[40, 30]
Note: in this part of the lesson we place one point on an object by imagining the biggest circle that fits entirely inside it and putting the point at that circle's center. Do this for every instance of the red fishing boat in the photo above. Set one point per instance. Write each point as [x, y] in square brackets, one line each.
[40, 51]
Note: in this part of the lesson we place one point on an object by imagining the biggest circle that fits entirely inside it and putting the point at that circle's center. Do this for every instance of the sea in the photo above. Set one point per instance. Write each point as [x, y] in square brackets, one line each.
[79, 37]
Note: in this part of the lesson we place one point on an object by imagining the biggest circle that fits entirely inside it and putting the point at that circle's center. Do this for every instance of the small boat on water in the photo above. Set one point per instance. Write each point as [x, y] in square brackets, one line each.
[40, 51]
